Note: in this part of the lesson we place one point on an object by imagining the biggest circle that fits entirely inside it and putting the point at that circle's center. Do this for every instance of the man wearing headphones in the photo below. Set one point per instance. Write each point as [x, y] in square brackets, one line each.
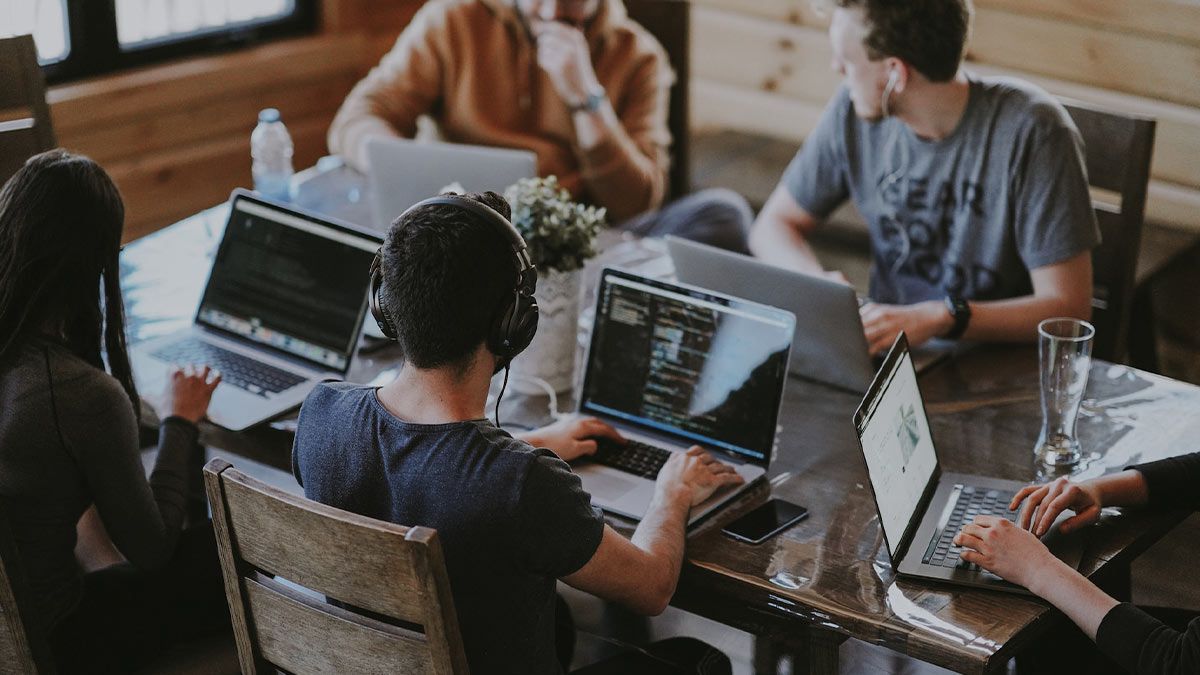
[973, 188]
[454, 286]
[577, 82]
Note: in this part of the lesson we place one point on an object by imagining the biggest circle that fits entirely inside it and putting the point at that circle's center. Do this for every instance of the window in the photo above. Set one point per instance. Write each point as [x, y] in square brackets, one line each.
[76, 38]
[45, 19]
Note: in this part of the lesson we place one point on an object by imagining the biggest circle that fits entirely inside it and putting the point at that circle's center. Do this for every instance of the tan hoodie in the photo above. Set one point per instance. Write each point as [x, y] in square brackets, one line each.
[472, 66]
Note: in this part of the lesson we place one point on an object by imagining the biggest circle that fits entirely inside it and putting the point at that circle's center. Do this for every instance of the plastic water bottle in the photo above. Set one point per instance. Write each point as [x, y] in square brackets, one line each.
[271, 151]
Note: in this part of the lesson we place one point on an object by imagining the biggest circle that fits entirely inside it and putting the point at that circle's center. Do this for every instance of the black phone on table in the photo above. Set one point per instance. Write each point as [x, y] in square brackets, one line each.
[765, 521]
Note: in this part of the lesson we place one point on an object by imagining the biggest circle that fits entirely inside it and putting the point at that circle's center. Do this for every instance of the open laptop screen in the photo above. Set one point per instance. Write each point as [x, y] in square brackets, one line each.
[896, 443]
[696, 366]
[289, 282]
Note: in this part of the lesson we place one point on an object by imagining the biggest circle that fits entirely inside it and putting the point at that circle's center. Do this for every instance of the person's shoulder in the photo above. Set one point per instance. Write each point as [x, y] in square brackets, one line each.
[440, 14]
[526, 459]
[81, 388]
[1025, 103]
[328, 397]
[636, 42]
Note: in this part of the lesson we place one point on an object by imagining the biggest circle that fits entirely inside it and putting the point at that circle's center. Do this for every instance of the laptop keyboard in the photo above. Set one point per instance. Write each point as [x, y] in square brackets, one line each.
[636, 458]
[241, 371]
[971, 502]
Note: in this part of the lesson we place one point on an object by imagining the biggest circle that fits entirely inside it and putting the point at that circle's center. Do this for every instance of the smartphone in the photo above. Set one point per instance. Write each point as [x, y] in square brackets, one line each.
[765, 521]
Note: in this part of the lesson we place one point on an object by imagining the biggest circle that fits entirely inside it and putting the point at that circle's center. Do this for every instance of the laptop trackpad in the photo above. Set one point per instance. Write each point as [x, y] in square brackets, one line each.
[608, 486]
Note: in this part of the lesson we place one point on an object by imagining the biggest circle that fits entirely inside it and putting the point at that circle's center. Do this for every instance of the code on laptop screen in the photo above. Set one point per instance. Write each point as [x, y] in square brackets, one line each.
[289, 283]
[695, 368]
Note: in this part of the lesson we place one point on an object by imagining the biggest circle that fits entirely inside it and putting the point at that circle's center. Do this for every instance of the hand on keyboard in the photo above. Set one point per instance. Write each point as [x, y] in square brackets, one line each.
[1005, 549]
[1041, 504]
[189, 390]
[694, 475]
[573, 437]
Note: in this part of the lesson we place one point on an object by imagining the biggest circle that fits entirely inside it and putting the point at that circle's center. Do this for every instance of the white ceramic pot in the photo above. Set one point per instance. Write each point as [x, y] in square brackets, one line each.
[551, 355]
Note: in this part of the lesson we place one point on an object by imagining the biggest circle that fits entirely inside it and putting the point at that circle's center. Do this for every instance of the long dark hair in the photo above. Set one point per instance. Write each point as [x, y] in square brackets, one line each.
[61, 218]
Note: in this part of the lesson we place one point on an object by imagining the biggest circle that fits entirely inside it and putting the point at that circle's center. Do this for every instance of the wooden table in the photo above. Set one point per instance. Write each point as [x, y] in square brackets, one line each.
[828, 577]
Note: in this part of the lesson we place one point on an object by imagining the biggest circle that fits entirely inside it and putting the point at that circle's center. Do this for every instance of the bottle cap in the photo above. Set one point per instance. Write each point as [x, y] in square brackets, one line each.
[268, 115]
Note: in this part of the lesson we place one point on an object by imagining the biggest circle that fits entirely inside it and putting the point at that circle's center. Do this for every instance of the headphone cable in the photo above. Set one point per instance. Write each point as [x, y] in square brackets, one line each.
[500, 396]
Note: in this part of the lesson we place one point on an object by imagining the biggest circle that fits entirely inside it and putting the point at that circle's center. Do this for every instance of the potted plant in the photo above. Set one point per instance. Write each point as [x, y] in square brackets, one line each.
[560, 234]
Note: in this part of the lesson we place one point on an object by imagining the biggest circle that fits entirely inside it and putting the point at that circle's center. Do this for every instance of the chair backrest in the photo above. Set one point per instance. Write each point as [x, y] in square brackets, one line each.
[21, 651]
[1118, 148]
[25, 127]
[669, 21]
[381, 601]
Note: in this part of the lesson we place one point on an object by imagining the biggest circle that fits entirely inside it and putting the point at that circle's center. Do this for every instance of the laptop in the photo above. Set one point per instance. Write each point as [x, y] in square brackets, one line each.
[921, 508]
[830, 345]
[404, 172]
[674, 366]
[282, 311]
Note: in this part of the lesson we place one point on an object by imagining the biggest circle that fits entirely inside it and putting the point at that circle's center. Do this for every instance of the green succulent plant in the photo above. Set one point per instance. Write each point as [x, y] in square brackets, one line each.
[559, 232]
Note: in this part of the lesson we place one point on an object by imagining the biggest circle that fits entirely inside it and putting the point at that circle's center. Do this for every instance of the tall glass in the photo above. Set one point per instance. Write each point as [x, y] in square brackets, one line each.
[1065, 352]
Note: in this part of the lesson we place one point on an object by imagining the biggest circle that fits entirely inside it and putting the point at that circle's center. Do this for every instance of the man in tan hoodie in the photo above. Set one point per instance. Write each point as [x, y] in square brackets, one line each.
[575, 81]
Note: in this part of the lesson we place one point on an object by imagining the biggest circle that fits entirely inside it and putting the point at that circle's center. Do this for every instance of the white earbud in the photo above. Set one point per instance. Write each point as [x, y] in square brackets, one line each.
[893, 80]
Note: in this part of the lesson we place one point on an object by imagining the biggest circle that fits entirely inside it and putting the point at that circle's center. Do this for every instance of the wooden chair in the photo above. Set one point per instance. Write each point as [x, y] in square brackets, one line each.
[395, 574]
[670, 22]
[21, 651]
[1118, 148]
[25, 127]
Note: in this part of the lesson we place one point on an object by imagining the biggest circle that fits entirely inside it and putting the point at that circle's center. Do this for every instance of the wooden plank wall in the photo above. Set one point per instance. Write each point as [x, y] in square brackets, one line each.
[764, 66]
[176, 137]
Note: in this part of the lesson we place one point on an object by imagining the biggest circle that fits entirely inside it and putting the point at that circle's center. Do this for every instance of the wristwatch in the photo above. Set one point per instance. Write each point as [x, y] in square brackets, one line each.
[591, 103]
[960, 311]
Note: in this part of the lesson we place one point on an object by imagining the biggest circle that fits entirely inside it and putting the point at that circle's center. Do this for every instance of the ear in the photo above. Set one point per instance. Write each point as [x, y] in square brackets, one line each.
[901, 71]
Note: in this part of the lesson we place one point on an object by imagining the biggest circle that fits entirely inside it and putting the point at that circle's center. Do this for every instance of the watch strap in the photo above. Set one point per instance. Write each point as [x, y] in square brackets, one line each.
[960, 311]
[591, 103]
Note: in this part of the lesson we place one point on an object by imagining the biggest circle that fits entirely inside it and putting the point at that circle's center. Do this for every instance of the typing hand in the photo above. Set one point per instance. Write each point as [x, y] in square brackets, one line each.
[920, 322]
[1004, 549]
[694, 475]
[571, 437]
[1043, 504]
[562, 52]
[189, 390]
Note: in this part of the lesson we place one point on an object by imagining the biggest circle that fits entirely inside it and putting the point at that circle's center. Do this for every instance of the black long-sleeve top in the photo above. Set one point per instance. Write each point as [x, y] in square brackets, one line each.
[1137, 641]
[68, 439]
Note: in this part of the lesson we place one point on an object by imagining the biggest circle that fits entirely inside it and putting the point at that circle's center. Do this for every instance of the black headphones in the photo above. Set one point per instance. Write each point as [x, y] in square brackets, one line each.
[516, 321]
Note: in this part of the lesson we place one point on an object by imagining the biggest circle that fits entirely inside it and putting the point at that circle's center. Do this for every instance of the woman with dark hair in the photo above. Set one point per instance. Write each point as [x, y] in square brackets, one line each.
[69, 416]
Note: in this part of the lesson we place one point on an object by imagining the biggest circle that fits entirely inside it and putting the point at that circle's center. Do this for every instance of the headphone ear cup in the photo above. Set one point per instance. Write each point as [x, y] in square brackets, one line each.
[524, 323]
[385, 326]
[514, 329]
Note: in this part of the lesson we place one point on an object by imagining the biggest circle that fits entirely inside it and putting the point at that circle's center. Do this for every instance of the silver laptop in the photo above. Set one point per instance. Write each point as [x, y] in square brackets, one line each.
[921, 508]
[282, 311]
[403, 172]
[830, 345]
[674, 366]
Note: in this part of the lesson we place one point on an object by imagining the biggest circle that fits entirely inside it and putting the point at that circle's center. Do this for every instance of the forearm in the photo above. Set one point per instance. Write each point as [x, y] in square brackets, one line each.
[780, 244]
[619, 175]
[662, 536]
[1017, 319]
[1171, 483]
[1081, 600]
[1127, 488]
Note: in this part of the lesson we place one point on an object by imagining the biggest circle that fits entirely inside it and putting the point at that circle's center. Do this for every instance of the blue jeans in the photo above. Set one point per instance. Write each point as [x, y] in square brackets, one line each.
[717, 217]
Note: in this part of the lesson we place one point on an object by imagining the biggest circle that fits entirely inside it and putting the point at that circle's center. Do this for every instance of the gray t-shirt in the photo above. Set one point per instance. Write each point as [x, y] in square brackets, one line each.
[968, 215]
[511, 518]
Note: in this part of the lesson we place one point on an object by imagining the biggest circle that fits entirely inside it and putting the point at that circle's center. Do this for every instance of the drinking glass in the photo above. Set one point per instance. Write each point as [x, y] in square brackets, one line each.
[1065, 353]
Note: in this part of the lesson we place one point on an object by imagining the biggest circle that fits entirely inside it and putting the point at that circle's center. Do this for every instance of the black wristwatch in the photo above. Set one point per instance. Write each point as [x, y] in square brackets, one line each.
[960, 311]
